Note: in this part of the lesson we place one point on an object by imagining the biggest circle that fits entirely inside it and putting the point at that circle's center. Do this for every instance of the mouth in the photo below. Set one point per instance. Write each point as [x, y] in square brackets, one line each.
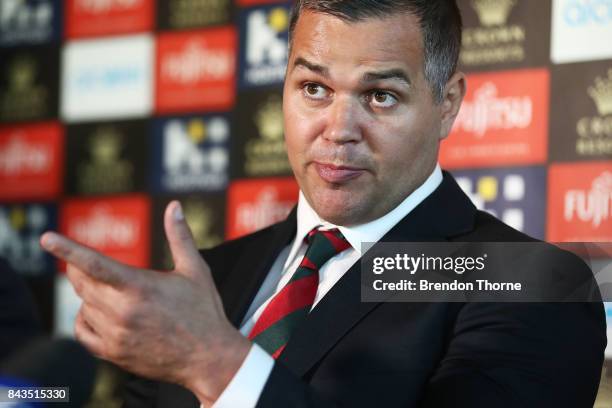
[337, 174]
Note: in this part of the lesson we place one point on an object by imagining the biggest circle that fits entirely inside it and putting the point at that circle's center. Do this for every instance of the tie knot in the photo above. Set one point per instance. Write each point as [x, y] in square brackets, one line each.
[322, 246]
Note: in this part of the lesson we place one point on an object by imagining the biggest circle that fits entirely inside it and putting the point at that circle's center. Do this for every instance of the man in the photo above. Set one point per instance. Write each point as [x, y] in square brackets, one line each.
[370, 92]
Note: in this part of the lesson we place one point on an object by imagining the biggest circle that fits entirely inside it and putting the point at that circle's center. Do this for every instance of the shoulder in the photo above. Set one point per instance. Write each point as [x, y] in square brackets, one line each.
[570, 277]
[487, 228]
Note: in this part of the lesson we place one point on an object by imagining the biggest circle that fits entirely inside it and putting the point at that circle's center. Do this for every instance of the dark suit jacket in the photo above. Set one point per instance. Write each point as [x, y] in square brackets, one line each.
[353, 354]
[19, 321]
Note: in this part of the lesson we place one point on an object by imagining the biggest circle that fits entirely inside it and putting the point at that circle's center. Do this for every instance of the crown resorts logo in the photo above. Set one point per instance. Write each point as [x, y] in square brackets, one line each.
[195, 154]
[493, 12]
[199, 217]
[269, 120]
[266, 48]
[495, 41]
[106, 171]
[267, 155]
[602, 94]
[189, 13]
[592, 206]
[20, 21]
[595, 133]
[23, 98]
[488, 111]
[20, 229]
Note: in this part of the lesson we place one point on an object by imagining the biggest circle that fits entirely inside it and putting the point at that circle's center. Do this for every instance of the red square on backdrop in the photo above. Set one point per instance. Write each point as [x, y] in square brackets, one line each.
[580, 202]
[503, 121]
[119, 227]
[31, 160]
[196, 70]
[256, 204]
[86, 18]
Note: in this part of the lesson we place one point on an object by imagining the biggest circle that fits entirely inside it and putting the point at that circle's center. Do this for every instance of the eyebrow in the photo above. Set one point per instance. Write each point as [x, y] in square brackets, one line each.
[391, 74]
[303, 62]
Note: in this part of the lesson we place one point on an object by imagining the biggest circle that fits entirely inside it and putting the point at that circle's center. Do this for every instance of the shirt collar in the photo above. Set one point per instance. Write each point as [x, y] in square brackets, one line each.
[373, 231]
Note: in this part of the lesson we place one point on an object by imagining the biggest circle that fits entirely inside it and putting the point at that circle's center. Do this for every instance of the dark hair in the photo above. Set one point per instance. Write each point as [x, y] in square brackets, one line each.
[440, 22]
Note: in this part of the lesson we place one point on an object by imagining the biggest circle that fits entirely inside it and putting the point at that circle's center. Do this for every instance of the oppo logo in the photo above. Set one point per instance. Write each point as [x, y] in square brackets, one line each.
[585, 12]
[109, 77]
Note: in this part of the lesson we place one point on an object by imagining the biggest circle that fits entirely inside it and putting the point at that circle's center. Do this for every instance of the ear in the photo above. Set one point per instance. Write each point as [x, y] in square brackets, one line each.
[451, 102]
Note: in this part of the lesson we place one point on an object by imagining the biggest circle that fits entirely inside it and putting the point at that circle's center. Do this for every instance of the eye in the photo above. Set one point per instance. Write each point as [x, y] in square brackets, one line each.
[315, 91]
[382, 99]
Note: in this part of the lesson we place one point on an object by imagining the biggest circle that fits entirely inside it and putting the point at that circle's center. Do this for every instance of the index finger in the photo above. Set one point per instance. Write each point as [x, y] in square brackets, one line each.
[93, 263]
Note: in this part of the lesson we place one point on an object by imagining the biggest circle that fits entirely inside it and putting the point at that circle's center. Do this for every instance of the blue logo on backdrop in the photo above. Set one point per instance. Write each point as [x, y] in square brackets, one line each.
[264, 33]
[581, 13]
[109, 77]
[191, 154]
[517, 195]
[20, 230]
[29, 21]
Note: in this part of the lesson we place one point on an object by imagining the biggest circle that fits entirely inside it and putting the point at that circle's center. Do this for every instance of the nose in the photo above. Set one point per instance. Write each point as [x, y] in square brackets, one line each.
[343, 124]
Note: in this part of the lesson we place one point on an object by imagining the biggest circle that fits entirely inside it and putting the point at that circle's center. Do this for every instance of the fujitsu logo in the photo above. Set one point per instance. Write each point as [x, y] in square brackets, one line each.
[104, 229]
[18, 156]
[593, 205]
[104, 6]
[488, 112]
[264, 211]
[196, 63]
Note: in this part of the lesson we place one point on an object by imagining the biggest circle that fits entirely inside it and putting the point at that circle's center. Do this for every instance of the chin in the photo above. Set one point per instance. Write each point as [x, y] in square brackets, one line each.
[340, 208]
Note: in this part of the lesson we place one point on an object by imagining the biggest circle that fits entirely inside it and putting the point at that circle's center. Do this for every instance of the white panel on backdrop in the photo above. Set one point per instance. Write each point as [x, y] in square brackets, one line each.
[109, 78]
[581, 30]
[67, 305]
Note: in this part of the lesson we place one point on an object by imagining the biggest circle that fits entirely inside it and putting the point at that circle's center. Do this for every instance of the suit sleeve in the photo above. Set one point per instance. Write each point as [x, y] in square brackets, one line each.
[139, 392]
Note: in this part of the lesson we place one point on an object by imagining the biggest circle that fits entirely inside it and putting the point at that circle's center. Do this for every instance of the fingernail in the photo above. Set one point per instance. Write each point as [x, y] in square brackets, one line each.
[48, 239]
[178, 212]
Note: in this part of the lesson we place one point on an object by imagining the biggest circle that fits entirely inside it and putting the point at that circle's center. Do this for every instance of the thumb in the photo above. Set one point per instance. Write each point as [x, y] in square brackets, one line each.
[185, 254]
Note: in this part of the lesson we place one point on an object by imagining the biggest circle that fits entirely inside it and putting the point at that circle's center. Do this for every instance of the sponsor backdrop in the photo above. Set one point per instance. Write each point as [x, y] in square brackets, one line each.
[111, 108]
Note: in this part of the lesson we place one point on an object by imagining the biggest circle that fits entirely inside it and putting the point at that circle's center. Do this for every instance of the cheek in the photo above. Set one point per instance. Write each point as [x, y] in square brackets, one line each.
[301, 131]
[401, 145]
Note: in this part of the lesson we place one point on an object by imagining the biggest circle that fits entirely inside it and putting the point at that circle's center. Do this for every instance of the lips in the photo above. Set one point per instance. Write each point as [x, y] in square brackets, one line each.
[337, 174]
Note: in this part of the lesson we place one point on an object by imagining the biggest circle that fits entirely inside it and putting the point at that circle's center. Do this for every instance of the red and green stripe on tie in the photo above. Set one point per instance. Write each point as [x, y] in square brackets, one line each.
[291, 305]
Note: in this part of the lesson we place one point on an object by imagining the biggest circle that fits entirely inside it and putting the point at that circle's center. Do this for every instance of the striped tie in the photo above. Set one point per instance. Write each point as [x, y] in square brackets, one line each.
[291, 305]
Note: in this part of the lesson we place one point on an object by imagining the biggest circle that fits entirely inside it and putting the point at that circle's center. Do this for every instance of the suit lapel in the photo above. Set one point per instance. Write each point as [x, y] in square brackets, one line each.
[445, 213]
[242, 286]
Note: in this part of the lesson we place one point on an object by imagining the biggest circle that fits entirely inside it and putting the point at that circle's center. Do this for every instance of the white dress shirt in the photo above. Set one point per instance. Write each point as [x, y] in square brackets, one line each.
[247, 384]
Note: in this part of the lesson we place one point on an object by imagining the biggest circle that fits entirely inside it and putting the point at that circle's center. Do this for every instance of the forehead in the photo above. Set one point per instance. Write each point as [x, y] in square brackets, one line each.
[384, 42]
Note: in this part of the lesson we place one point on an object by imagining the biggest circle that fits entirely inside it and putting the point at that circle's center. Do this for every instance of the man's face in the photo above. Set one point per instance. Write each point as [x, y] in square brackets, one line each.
[361, 125]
